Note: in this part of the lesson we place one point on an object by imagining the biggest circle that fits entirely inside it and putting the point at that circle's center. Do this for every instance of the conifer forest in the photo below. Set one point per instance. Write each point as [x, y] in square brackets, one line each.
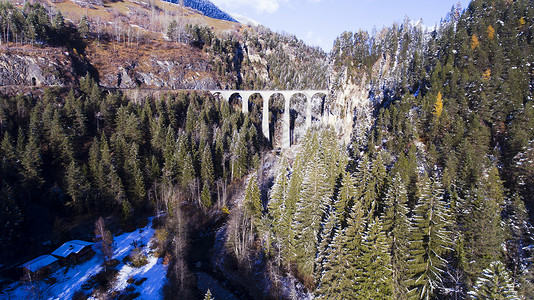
[415, 179]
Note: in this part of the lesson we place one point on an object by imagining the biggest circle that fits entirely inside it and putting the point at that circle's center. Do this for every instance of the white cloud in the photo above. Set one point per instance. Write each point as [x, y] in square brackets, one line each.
[312, 39]
[261, 6]
[244, 19]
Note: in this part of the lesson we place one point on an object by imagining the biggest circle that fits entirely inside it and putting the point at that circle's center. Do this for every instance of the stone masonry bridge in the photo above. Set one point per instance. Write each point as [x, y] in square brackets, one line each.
[266, 95]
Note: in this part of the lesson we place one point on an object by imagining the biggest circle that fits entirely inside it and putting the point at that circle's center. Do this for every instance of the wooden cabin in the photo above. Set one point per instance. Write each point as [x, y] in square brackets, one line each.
[74, 251]
[41, 266]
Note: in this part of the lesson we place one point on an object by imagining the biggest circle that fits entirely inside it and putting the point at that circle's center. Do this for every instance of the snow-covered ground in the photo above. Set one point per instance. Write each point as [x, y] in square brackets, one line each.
[70, 279]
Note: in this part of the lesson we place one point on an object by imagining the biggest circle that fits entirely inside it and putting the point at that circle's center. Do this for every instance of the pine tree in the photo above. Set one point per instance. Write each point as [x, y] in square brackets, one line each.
[205, 195]
[59, 25]
[8, 162]
[206, 171]
[77, 185]
[135, 176]
[332, 269]
[329, 229]
[396, 224]
[483, 231]
[188, 171]
[377, 182]
[172, 30]
[375, 278]
[11, 218]
[239, 155]
[252, 200]
[494, 283]
[278, 208]
[31, 165]
[429, 240]
[208, 295]
[365, 192]
[307, 220]
[83, 26]
[343, 266]
[347, 192]
[191, 119]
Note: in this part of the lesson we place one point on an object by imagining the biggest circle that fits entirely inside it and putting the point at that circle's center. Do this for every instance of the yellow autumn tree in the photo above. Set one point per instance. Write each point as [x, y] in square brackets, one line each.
[491, 32]
[474, 42]
[522, 22]
[487, 74]
[438, 105]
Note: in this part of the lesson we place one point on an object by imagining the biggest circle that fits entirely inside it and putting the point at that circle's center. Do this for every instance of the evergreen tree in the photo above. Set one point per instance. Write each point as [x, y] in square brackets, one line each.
[375, 278]
[278, 208]
[307, 220]
[365, 191]
[11, 219]
[188, 171]
[77, 186]
[429, 240]
[172, 30]
[396, 224]
[59, 21]
[59, 26]
[208, 295]
[191, 119]
[494, 283]
[346, 196]
[84, 25]
[483, 231]
[173, 158]
[377, 182]
[31, 165]
[8, 162]
[206, 172]
[205, 195]
[239, 155]
[252, 200]
[344, 266]
[329, 229]
[135, 176]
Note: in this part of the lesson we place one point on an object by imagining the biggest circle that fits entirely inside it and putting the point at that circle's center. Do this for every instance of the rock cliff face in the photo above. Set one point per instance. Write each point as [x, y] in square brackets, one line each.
[116, 66]
[151, 65]
[354, 95]
[27, 66]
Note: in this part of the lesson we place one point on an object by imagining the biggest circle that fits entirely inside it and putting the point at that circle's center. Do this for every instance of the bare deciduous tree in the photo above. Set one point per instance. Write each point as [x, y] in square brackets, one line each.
[180, 279]
[240, 236]
[104, 241]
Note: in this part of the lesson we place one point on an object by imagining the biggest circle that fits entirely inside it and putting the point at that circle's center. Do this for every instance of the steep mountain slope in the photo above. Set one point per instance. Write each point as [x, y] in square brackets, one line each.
[436, 185]
[207, 8]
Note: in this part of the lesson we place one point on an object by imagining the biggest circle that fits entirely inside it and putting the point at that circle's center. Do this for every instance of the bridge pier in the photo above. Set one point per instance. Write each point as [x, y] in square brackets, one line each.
[245, 96]
[286, 122]
[265, 115]
[308, 109]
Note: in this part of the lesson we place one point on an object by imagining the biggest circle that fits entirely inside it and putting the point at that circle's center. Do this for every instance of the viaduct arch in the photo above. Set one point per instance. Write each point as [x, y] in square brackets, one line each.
[266, 95]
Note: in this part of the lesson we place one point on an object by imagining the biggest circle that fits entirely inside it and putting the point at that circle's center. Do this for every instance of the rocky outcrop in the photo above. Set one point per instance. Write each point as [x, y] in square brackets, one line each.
[152, 65]
[115, 66]
[27, 66]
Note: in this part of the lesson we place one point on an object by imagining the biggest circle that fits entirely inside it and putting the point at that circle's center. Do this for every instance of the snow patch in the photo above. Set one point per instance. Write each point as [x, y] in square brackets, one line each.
[71, 278]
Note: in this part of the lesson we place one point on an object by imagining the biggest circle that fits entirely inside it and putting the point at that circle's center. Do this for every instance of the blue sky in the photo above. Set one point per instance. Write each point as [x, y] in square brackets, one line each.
[319, 22]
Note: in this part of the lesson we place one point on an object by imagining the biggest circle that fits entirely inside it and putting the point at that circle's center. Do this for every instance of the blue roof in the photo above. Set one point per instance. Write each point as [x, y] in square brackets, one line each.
[74, 246]
[39, 262]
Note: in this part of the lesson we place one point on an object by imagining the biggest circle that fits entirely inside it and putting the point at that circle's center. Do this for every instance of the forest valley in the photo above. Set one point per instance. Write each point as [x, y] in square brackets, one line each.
[427, 195]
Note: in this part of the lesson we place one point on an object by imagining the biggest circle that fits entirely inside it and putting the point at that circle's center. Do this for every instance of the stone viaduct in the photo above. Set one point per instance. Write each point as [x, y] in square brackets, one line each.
[266, 95]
